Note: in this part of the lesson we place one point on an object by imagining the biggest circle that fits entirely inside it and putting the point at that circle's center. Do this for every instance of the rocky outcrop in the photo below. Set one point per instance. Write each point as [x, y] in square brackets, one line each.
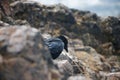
[38, 14]
[110, 76]
[93, 41]
[23, 55]
[58, 19]
[111, 28]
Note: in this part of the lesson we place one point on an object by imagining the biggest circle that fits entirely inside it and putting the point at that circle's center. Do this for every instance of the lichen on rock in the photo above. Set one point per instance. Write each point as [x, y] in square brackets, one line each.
[93, 48]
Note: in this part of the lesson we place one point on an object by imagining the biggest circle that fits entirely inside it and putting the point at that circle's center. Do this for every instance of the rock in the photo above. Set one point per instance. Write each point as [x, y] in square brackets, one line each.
[88, 56]
[111, 28]
[21, 22]
[36, 13]
[3, 24]
[65, 67]
[46, 36]
[85, 60]
[5, 7]
[85, 16]
[60, 13]
[58, 19]
[110, 76]
[114, 62]
[24, 53]
[6, 12]
[78, 77]
[92, 43]
[11, 1]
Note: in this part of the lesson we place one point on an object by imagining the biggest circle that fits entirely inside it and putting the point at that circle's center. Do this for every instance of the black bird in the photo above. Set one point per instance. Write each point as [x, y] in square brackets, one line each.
[56, 45]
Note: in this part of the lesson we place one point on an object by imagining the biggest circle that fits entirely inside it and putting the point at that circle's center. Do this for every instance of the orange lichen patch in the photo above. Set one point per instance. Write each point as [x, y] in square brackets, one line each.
[55, 74]
[9, 30]
[88, 60]
[40, 45]
[56, 32]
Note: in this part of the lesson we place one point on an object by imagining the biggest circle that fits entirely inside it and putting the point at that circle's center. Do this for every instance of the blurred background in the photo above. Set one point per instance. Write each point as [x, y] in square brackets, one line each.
[103, 8]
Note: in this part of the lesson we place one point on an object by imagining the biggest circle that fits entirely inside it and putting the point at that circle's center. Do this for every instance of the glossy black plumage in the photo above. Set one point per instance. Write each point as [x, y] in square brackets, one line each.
[56, 45]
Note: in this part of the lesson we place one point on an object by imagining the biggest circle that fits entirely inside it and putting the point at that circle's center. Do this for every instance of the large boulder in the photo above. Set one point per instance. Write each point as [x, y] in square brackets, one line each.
[23, 55]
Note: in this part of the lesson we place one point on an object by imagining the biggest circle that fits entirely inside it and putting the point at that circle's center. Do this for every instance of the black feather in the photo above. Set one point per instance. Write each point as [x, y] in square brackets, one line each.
[56, 45]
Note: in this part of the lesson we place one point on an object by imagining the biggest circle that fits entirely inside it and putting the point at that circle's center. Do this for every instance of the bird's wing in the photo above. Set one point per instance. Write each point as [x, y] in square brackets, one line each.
[55, 45]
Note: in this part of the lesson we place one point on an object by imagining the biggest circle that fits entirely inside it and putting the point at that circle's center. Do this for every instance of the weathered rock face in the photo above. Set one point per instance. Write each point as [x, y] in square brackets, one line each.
[65, 68]
[24, 55]
[37, 14]
[110, 76]
[59, 19]
[111, 28]
[85, 61]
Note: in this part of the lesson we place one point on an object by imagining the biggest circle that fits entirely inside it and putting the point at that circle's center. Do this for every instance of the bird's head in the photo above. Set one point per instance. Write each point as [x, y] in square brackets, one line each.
[65, 41]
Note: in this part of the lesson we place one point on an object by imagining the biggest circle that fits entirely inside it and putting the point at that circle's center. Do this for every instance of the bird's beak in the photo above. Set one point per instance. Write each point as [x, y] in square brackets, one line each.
[66, 49]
